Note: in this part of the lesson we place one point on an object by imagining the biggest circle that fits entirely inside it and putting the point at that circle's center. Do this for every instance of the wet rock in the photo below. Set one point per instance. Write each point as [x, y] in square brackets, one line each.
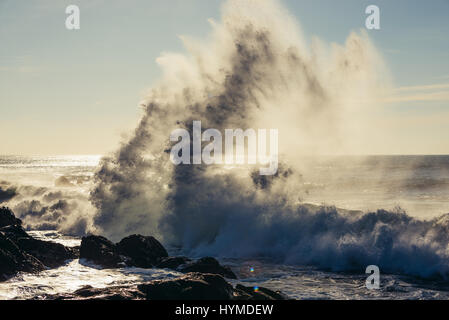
[141, 251]
[192, 286]
[100, 251]
[248, 293]
[13, 259]
[135, 250]
[208, 265]
[90, 293]
[144, 252]
[19, 252]
[14, 232]
[51, 254]
[203, 265]
[111, 293]
[173, 262]
[7, 218]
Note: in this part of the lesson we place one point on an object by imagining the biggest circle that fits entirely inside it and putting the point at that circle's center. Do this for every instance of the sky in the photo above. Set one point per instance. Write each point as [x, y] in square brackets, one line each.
[77, 92]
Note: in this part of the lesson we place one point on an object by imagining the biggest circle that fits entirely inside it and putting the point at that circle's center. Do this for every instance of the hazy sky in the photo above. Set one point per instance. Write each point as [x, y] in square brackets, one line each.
[77, 92]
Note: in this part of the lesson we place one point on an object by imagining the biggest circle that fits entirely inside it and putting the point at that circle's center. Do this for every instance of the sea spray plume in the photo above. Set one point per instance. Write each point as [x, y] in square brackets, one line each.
[121, 180]
[130, 185]
[253, 74]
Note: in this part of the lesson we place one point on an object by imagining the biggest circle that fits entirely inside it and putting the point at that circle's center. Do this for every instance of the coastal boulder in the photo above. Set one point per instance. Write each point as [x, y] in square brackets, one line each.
[7, 218]
[90, 293]
[15, 232]
[13, 259]
[51, 254]
[100, 251]
[192, 286]
[173, 262]
[208, 265]
[141, 251]
[20, 252]
[248, 293]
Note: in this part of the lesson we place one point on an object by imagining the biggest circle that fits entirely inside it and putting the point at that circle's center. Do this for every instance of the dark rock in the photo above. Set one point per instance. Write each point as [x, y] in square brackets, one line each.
[7, 218]
[51, 254]
[13, 259]
[100, 251]
[75, 251]
[111, 293]
[14, 232]
[192, 286]
[135, 250]
[173, 262]
[208, 265]
[141, 251]
[19, 252]
[261, 294]
[242, 295]
[90, 293]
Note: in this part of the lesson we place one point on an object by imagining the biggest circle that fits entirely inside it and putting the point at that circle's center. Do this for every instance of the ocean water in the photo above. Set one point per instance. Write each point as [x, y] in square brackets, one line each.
[417, 184]
[51, 195]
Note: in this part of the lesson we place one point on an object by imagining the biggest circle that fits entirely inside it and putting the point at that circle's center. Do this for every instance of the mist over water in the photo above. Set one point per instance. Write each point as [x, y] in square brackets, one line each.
[49, 192]
[255, 70]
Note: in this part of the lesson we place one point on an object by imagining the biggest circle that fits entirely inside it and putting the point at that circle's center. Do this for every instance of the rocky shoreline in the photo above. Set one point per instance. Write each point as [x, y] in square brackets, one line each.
[203, 279]
[19, 252]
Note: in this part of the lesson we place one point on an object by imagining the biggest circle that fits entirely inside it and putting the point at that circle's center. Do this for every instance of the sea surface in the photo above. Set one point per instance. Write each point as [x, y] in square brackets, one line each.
[419, 185]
